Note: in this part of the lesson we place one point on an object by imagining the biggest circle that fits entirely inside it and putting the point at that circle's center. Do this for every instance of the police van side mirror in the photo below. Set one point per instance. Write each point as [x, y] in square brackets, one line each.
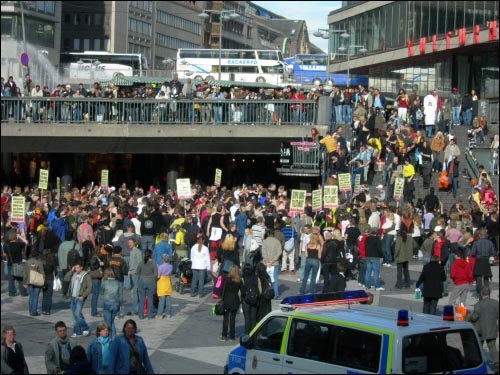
[246, 342]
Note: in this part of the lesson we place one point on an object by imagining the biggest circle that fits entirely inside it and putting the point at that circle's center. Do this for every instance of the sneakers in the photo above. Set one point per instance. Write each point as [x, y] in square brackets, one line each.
[76, 335]
[292, 273]
[379, 288]
[159, 316]
[222, 338]
[85, 333]
[368, 287]
[388, 265]
[299, 280]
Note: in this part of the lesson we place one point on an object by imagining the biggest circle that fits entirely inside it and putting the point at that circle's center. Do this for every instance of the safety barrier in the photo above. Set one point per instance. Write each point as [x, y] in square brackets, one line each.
[158, 111]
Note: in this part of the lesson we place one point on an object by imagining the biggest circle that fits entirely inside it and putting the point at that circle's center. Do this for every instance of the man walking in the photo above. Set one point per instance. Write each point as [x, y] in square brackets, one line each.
[79, 289]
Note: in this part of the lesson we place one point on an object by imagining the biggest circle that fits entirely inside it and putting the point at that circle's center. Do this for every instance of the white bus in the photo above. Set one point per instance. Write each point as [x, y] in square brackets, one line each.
[100, 66]
[245, 65]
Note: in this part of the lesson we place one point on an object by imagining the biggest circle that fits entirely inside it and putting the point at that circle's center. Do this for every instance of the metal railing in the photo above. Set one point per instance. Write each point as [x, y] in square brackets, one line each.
[158, 111]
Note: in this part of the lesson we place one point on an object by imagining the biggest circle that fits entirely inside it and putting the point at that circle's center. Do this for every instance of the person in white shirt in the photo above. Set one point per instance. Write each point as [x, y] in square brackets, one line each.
[430, 109]
[200, 263]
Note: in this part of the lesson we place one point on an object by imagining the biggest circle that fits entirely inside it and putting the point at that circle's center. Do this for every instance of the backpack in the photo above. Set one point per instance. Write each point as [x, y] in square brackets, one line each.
[251, 292]
[73, 257]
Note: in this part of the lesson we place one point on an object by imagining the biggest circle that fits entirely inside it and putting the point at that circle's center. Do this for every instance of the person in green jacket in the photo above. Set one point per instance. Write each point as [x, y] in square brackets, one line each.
[403, 252]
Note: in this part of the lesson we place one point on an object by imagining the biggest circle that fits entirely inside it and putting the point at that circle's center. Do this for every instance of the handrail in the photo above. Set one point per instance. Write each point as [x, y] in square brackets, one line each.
[158, 111]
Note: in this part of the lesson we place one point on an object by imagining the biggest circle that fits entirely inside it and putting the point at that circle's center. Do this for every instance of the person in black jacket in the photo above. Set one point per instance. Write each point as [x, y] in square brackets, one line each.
[432, 278]
[250, 287]
[329, 258]
[120, 269]
[232, 285]
[374, 253]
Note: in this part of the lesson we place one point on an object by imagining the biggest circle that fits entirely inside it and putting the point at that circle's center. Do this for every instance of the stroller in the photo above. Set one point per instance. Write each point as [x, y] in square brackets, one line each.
[185, 275]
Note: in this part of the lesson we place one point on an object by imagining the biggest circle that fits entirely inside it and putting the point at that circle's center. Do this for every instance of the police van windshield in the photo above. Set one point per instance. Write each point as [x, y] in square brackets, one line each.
[440, 352]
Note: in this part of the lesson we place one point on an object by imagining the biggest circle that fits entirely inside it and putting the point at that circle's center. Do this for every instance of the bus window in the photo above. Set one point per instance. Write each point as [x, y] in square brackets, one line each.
[247, 54]
[272, 69]
[249, 69]
[267, 55]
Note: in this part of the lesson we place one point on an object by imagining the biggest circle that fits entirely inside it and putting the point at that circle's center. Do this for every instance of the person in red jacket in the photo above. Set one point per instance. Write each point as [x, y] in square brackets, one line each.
[461, 274]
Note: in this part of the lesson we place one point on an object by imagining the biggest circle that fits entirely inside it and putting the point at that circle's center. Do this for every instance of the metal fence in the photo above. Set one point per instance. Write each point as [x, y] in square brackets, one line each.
[158, 111]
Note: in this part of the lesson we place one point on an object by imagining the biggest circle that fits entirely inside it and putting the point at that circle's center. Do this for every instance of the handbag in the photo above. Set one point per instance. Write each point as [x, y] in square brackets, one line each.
[57, 284]
[96, 274]
[18, 269]
[290, 243]
[127, 282]
[219, 308]
[36, 278]
[227, 264]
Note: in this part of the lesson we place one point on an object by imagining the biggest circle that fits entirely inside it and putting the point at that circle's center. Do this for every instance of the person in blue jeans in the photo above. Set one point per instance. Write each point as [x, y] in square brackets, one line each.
[373, 249]
[147, 273]
[32, 264]
[313, 255]
[110, 291]
[304, 240]
[96, 264]
[79, 289]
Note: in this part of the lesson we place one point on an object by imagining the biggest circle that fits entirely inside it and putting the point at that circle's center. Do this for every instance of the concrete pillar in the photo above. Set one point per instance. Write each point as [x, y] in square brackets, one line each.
[324, 110]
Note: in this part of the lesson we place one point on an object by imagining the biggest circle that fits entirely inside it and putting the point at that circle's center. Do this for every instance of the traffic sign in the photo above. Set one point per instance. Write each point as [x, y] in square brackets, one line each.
[24, 59]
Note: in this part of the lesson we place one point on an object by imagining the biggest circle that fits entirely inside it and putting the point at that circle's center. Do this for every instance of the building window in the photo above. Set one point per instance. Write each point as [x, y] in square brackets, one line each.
[97, 44]
[106, 45]
[86, 44]
[76, 44]
[76, 19]
[87, 20]
[67, 18]
[66, 44]
[178, 22]
[98, 19]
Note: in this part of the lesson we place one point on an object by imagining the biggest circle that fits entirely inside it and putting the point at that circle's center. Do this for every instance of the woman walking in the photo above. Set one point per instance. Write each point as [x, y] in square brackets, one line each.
[232, 288]
[403, 252]
[49, 269]
[32, 264]
[313, 255]
[164, 288]
[96, 264]
[432, 278]
[128, 353]
[147, 273]
[200, 263]
[110, 290]
[98, 349]
[12, 356]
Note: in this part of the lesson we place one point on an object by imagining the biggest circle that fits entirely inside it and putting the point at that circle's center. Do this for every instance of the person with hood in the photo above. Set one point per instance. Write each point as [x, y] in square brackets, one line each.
[461, 275]
[432, 278]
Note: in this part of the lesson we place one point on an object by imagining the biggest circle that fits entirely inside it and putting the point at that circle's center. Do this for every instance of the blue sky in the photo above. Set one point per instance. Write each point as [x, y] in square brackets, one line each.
[315, 13]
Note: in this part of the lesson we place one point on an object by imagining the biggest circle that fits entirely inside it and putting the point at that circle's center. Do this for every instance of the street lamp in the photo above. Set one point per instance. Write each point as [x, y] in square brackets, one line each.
[347, 53]
[224, 15]
[325, 34]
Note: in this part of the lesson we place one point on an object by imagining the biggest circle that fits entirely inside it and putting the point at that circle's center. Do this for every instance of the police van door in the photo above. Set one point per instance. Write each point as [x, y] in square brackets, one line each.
[264, 350]
[309, 347]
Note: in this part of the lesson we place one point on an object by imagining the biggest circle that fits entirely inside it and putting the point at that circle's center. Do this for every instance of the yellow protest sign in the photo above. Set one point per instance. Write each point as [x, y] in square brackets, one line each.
[218, 177]
[298, 201]
[344, 182]
[18, 204]
[105, 178]
[183, 188]
[317, 204]
[399, 184]
[44, 179]
[357, 183]
[331, 196]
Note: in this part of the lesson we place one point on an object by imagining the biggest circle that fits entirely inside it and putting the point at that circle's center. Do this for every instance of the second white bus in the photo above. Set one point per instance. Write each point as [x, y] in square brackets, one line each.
[236, 65]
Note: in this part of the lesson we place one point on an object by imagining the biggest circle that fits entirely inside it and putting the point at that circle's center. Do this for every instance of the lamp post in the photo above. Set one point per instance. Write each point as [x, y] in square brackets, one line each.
[347, 50]
[229, 14]
[325, 34]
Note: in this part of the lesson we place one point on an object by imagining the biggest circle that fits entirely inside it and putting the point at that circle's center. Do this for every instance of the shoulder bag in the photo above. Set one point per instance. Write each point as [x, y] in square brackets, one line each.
[290, 243]
[97, 273]
[36, 278]
[219, 308]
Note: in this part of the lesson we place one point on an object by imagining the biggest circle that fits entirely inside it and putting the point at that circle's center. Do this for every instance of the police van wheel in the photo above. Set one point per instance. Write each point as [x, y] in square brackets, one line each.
[260, 80]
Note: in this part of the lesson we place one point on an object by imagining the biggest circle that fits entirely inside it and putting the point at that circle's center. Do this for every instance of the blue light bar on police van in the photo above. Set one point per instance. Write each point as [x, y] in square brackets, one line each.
[335, 298]
[403, 320]
[448, 313]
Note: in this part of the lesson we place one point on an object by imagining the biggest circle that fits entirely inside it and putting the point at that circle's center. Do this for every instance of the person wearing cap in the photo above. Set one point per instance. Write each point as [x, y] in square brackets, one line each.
[461, 275]
[456, 105]
[164, 287]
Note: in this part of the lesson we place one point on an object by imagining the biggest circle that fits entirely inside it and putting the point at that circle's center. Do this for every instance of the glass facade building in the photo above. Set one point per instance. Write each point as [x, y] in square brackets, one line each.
[385, 27]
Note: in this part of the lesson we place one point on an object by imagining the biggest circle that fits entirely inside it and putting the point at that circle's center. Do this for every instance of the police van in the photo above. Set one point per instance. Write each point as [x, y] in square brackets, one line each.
[342, 333]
